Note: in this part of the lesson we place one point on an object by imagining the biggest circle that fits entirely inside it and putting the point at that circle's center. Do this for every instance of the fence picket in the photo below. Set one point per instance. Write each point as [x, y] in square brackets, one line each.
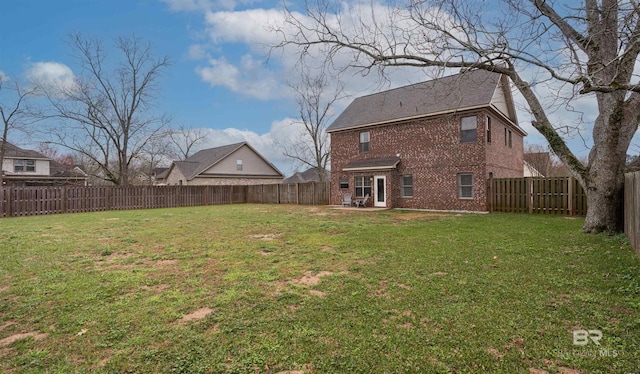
[556, 195]
[23, 201]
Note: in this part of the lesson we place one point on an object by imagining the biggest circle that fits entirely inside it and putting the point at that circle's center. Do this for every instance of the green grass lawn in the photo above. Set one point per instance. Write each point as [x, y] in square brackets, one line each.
[261, 288]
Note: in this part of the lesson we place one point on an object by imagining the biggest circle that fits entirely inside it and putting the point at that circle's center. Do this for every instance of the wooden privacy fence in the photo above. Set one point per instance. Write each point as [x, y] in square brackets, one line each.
[27, 201]
[632, 209]
[556, 195]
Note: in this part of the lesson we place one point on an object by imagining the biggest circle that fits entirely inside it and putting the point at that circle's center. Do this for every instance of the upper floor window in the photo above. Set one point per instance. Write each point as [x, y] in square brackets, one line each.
[239, 165]
[364, 141]
[24, 165]
[469, 129]
[488, 129]
[510, 144]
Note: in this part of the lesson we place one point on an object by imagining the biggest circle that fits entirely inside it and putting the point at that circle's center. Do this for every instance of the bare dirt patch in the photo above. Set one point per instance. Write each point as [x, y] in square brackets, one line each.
[196, 315]
[165, 262]
[265, 237]
[8, 324]
[317, 293]
[309, 279]
[158, 287]
[5, 351]
[537, 371]
[381, 291]
[15, 337]
[566, 370]
[495, 353]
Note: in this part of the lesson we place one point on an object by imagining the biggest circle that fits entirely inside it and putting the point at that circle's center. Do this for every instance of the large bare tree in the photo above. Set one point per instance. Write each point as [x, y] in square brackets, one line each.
[183, 140]
[15, 112]
[107, 114]
[569, 50]
[316, 95]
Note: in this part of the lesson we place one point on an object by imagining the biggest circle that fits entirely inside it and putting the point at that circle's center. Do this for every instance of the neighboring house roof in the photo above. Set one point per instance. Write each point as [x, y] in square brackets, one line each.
[13, 151]
[57, 169]
[160, 173]
[203, 160]
[464, 91]
[531, 171]
[541, 161]
[309, 175]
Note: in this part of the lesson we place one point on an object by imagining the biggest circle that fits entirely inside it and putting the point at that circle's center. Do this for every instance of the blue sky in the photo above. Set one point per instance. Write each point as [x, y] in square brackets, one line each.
[220, 80]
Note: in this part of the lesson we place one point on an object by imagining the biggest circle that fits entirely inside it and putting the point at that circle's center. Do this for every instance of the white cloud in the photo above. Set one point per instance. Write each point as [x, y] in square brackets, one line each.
[3, 76]
[250, 78]
[197, 52]
[51, 76]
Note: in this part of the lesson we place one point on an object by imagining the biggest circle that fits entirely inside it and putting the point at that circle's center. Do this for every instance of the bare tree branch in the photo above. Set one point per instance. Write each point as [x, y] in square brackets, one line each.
[590, 48]
[106, 114]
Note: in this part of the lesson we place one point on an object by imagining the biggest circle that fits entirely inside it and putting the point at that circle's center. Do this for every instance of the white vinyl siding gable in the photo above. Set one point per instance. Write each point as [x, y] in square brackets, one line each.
[40, 167]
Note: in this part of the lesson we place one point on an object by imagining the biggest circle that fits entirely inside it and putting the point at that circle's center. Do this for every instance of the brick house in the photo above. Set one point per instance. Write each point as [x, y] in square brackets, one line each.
[430, 145]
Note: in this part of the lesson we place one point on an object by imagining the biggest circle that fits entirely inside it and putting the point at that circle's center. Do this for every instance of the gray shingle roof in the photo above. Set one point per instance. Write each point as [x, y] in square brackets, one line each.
[204, 159]
[372, 164]
[309, 175]
[456, 92]
[12, 151]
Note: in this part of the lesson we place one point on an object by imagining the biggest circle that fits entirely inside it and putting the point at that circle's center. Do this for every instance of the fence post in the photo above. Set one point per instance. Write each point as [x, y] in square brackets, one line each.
[65, 196]
[529, 194]
[490, 194]
[10, 202]
[571, 194]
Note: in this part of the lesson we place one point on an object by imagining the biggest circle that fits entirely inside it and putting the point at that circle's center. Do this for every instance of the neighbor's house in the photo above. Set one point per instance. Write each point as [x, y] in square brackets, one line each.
[308, 176]
[25, 167]
[234, 164]
[430, 145]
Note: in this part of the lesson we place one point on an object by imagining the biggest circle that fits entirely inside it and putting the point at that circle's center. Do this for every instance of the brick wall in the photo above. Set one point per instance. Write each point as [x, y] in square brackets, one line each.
[432, 152]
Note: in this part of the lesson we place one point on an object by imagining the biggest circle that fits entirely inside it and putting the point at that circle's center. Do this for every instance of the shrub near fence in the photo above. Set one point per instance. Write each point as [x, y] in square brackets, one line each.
[632, 209]
[557, 195]
[26, 201]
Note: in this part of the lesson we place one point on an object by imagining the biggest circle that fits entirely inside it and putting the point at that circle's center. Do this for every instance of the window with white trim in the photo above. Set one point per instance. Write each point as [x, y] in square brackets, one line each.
[239, 165]
[469, 129]
[406, 186]
[363, 185]
[20, 166]
[365, 138]
[465, 186]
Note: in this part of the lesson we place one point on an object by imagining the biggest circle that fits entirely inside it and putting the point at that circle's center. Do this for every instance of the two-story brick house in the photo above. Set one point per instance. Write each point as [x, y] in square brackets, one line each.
[430, 145]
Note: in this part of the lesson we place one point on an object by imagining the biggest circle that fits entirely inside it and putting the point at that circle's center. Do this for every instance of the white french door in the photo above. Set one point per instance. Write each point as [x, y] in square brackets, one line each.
[380, 191]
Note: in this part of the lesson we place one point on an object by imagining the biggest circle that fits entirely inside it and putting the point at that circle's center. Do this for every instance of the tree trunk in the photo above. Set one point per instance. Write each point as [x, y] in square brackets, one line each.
[612, 133]
[605, 199]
